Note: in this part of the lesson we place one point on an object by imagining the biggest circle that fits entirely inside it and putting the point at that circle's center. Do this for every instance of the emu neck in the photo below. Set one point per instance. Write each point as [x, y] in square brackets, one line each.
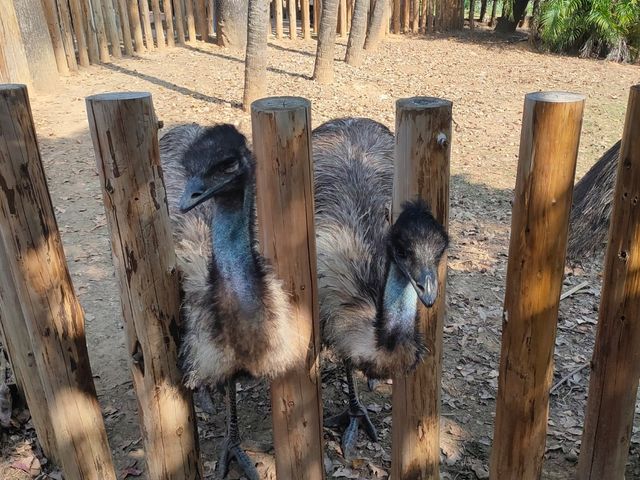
[233, 253]
[398, 308]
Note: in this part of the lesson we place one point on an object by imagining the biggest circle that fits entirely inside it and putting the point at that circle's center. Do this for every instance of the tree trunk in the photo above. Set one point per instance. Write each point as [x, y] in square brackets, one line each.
[375, 29]
[483, 10]
[357, 33]
[472, 14]
[255, 64]
[232, 23]
[494, 12]
[323, 70]
[511, 17]
[37, 43]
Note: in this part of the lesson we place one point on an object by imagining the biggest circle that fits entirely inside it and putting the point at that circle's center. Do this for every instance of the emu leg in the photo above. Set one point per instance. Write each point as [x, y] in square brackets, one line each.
[352, 418]
[231, 445]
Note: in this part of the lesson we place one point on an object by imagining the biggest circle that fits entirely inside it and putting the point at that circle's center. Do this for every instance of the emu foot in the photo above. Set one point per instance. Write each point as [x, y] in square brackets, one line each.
[351, 419]
[203, 398]
[231, 450]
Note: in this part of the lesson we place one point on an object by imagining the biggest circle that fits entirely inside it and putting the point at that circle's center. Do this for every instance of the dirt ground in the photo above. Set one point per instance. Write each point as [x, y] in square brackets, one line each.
[486, 77]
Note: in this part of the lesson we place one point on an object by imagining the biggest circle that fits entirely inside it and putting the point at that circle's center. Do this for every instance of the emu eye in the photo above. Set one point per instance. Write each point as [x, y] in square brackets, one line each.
[232, 167]
[401, 252]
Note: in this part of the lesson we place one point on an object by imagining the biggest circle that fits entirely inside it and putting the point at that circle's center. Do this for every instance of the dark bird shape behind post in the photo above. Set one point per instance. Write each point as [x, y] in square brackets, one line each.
[235, 312]
[371, 273]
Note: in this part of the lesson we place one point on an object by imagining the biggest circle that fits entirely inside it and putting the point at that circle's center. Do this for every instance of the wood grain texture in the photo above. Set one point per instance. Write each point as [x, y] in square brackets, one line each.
[79, 33]
[179, 22]
[13, 58]
[124, 130]
[101, 33]
[125, 24]
[168, 18]
[305, 19]
[146, 24]
[157, 24]
[278, 18]
[615, 367]
[16, 341]
[282, 145]
[53, 316]
[51, 15]
[67, 34]
[112, 27]
[201, 19]
[90, 31]
[191, 22]
[136, 26]
[293, 21]
[542, 200]
[423, 149]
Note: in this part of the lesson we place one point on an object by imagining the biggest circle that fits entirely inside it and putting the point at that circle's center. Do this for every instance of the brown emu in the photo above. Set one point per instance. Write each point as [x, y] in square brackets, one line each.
[235, 313]
[591, 210]
[371, 274]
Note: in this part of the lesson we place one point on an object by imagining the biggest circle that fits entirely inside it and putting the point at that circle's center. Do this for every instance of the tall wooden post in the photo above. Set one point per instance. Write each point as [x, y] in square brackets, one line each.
[13, 58]
[101, 33]
[157, 23]
[191, 22]
[293, 21]
[90, 31]
[53, 316]
[549, 142]
[123, 11]
[616, 359]
[342, 18]
[80, 36]
[146, 24]
[136, 26]
[179, 22]
[51, 15]
[201, 20]
[317, 7]
[278, 18]
[124, 130]
[18, 344]
[168, 18]
[282, 145]
[67, 34]
[305, 19]
[423, 148]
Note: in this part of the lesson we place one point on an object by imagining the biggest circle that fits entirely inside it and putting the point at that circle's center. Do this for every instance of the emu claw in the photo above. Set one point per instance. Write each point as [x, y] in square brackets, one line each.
[229, 452]
[352, 419]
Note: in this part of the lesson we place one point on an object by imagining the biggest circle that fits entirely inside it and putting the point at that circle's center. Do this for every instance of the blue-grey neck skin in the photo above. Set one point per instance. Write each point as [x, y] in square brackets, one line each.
[399, 305]
[233, 253]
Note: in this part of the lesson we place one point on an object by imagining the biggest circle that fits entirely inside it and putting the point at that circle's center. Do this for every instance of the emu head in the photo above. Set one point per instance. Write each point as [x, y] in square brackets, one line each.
[217, 163]
[416, 244]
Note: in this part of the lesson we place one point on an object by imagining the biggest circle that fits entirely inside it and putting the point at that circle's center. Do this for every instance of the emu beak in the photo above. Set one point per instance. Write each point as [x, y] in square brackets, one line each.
[195, 192]
[427, 287]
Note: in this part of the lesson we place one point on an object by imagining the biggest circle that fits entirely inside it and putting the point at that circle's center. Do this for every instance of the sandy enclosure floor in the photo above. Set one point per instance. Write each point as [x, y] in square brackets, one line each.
[486, 78]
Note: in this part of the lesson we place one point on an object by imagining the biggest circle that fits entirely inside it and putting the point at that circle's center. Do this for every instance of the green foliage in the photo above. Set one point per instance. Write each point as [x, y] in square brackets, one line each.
[604, 28]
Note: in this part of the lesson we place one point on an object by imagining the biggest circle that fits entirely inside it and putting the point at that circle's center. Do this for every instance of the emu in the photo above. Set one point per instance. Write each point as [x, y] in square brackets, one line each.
[235, 313]
[371, 274]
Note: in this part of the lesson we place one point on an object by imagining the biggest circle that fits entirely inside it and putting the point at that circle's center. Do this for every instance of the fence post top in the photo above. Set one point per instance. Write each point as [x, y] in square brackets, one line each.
[274, 104]
[12, 86]
[555, 97]
[117, 96]
[423, 103]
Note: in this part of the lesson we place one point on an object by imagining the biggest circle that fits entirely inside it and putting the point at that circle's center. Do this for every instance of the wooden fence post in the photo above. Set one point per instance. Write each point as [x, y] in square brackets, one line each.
[549, 142]
[616, 359]
[284, 179]
[78, 28]
[124, 130]
[201, 20]
[146, 24]
[157, 24]
[101, 33]
[13, 58]
[305, 19]
[125, 25]
[191, 22]
[293, 22]
[18, 346]
[54, 318]
[168, 17]
[423, 148]
[67, 34]
[278, 18]
[90, 31]
[51, 15]
[136, 26]
[177, 7]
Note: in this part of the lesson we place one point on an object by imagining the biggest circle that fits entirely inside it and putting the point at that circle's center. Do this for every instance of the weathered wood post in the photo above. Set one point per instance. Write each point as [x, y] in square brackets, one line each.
[282, 145]
[191, 22]
[51, 311]
[423, 148]
[13, 58]
[146, 24]
[615, 367]
[179, 22]
[18, 345]
[549, 142]
[293, 22]
[278, 18]
[136, 26]
[168, 17]
[124, 130]
[125, 25]
[51, 15]
[305, 19]
[157, 24]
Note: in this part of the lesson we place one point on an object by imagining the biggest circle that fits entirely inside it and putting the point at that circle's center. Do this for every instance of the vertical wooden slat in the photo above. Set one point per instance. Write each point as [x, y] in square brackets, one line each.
[316, 15]
[51, 14]
[305, 19]
[124, 130]
[191, 22]
[211, 18]
[201, 19]
[13, 58]
[136, 26]
[422, 151]
[278, 17]
[78, 27]
[146, 24]
[67, 34]
[284, 178]
[157, 24]
[125, 24]
[293, 21]
[342, 18]
[168, 18]
[179, 22]
[549, 142]
[90, 31]
[616, 359]
[112, 27]
[54, 318]
[101, 33]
